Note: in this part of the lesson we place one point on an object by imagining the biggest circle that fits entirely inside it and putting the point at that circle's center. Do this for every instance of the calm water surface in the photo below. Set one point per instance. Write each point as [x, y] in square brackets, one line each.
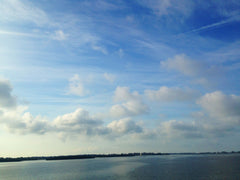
[143, 167]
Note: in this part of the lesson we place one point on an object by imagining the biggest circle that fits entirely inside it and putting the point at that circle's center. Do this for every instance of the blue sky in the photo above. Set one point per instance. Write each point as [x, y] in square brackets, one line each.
[119, 76]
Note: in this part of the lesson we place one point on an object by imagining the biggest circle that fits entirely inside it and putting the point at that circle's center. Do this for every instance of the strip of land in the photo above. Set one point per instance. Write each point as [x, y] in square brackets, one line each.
[90, 156]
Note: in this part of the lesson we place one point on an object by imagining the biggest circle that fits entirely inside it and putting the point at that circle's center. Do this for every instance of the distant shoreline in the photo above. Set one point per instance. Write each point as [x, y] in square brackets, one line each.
[91, 156]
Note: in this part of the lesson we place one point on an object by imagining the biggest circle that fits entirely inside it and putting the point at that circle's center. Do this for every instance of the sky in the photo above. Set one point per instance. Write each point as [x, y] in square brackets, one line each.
[119, 76]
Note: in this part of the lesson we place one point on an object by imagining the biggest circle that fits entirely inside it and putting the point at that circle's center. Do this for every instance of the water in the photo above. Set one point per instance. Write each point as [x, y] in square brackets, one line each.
[143, 167]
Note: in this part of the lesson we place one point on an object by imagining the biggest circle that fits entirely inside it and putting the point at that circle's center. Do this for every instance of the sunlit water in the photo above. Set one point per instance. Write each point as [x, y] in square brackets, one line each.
[143, 167]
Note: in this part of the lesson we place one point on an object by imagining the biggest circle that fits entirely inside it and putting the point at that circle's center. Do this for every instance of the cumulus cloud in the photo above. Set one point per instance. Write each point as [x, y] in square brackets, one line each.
[194, 128]
[131, 103]
[185, 65]
[14, 117]
[124, 126]
[174, 128]
[124, 94]
[166, 94]
[221, 106]
[78, 121]
[220, 116]
[19, 121]
[7, 100]
[201, 72]
[76, 86]
[130, 108]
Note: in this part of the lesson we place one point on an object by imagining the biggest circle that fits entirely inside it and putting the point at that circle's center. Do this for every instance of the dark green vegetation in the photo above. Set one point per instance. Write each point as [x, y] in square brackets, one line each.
[8, 159]
[89, 156]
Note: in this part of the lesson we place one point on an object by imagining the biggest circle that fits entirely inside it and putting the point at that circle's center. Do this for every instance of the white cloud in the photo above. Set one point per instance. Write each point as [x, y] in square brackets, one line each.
[109, 77]
[124, 126]
[12, 33]
[176, 129]
[100, 49]
[76, 86]
[202, 73]
[185, 65]
[68, 27]
[166, 94]
[78, 121]
[169, 7]
[220, 116]
[124, 94]
[14, 117]
[60, 35]
[20, 121]
[220, 106]
[130, 108]
[132, 104]
[216, 24]
[16, 10]
[7, 100]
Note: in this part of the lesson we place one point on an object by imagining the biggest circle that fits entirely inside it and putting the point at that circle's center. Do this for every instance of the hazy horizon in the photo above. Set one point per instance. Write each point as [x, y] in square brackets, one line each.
[83, 77]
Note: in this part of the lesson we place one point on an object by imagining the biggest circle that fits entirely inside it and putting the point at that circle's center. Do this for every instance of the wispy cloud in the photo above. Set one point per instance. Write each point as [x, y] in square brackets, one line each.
[16, 10]
[109, 77]
[169, 7]
[68, 28]
[100, 49]
[215, 25]
[60, 35]
[31, 35]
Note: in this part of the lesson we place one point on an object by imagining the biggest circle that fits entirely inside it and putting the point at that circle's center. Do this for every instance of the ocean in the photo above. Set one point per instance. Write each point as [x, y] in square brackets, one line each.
[128, 168]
